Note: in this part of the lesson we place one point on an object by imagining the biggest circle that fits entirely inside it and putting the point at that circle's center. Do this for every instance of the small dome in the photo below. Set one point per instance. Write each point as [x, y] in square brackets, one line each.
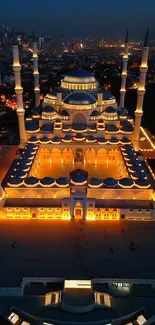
[67, 137]
[125, 140]
[126, 181]
[111, 128]
[79, 76]
[56, 139]
[36, 114]
[128, 147]
[102, 140]
[92, 127]
[62, 181]
[79, 178]
[79, 127]
[123, 113]
[33, 139]
[44, 139]
[78, 172]
[79, 136]
[110, 182]
[95, 181]
[46, 128]
[64, 113]
[107, 95]
[95, 113]
[31, 180]
[126, 126]
[79, 98]
[15, 181]
[47, 181]
[19, 173]
[114, 140]
[142, 182]
[91, 138]
[31, 146]
[32, 125]
[49, 109]
[110, 110]
[52, 94]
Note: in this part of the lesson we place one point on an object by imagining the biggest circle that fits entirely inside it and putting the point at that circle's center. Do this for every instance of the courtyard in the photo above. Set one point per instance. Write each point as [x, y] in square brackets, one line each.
[75, 250]
[56, 164]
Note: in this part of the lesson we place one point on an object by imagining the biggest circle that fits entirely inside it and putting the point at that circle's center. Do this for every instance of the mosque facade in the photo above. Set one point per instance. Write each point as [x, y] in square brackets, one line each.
[79, 155]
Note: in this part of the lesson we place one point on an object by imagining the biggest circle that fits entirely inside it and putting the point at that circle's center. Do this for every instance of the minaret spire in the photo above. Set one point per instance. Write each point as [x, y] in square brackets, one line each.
[13, 35]
[35, 72]
[33, 35]
[141, 90]
[146, 40]
[124, 71]
[127, 37]
[19, 93]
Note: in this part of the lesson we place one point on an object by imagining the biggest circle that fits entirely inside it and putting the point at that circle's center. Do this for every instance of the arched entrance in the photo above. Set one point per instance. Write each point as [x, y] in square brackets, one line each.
[67, 156]
[44, 156]
[56, 156]
[101, 156]
[79, 118]
[78, 211]
[90, 156]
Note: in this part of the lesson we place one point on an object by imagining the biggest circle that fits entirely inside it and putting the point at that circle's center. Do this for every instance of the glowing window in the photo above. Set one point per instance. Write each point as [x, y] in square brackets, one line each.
[14, 318]
[85, 284]
[141, 320]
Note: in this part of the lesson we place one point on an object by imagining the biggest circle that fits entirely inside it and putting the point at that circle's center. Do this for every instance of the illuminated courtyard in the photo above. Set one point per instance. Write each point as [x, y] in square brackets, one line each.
[101, 164]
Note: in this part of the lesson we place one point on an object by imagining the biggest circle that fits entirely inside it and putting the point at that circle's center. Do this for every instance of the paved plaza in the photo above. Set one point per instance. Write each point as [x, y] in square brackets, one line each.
[7, 155]
[74, 250]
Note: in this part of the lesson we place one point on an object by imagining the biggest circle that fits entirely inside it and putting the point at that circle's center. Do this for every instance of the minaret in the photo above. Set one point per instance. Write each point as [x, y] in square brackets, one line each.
[36, 73]
[19, 92]
[141, 91]
[124, 71]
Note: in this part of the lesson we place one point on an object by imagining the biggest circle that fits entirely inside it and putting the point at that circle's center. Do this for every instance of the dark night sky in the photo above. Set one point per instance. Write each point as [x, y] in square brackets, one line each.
[65, 18]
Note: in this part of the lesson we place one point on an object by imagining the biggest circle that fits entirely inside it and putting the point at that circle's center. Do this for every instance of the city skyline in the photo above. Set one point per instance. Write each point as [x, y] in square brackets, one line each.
[80, 19]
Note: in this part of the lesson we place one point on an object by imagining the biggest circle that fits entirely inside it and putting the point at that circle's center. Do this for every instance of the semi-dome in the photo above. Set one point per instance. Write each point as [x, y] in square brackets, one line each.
[79, 98]
[79, 76]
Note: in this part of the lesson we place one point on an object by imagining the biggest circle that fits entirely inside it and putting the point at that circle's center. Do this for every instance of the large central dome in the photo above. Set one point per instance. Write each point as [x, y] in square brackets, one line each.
[80, 76]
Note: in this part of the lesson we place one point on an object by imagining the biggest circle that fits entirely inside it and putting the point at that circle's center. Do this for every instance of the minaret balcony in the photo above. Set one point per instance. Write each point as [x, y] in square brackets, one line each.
[16, 68]
[143, 69]
[19, 91]
[141, 92]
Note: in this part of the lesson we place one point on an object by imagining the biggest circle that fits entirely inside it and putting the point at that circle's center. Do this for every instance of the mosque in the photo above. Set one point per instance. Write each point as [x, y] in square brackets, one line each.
[80, 154]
